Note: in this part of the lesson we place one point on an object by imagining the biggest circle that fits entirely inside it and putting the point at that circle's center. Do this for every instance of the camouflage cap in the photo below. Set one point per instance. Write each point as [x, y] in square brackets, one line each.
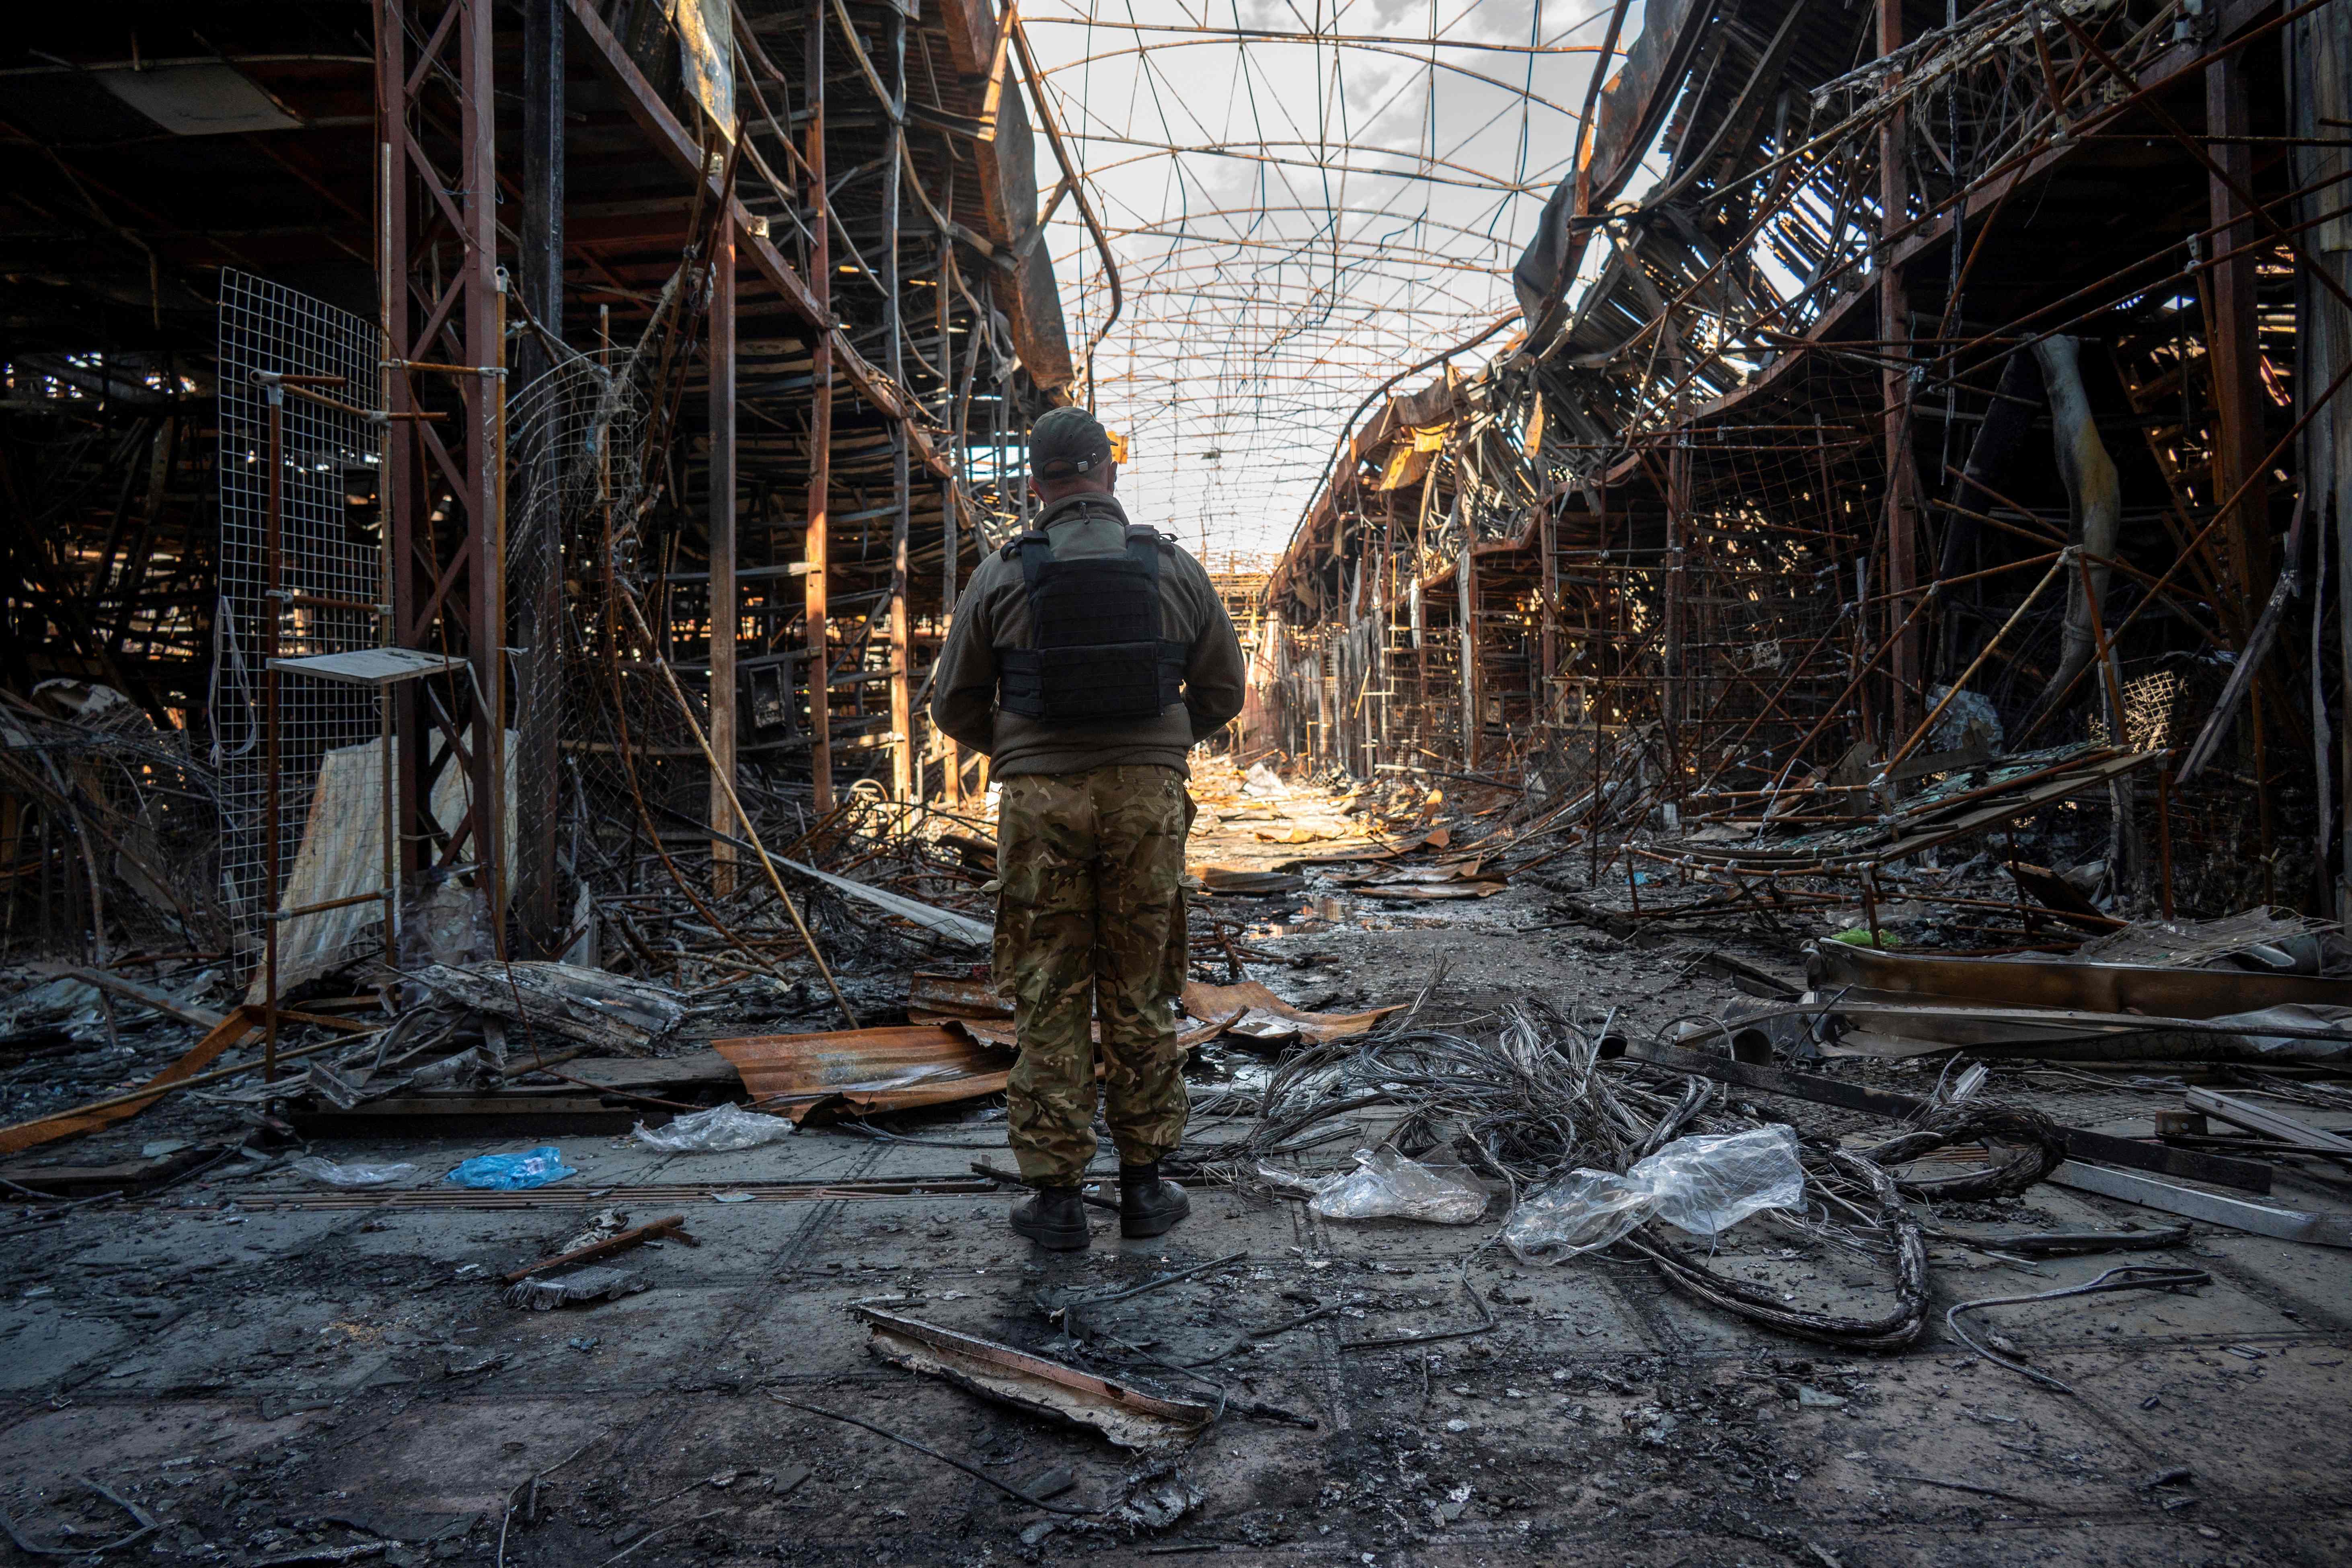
[1065, 443]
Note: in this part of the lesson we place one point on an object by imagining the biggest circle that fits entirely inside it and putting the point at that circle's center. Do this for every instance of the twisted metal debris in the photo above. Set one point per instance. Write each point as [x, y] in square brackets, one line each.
[1547, 1093]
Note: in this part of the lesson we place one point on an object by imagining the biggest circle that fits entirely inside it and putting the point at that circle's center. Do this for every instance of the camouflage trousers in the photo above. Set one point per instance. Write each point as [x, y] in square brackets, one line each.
[1090, 928]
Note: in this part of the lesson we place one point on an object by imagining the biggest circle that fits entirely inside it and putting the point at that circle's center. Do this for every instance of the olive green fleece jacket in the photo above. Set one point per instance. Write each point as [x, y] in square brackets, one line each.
[994, 613]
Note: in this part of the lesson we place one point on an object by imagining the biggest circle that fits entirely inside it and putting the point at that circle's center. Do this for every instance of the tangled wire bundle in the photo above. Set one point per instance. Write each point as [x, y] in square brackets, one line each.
[1537, 1100]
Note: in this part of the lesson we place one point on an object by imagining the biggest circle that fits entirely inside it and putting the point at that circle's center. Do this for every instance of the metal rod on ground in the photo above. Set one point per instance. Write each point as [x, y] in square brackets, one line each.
[976, 1473]
[2130, 1277]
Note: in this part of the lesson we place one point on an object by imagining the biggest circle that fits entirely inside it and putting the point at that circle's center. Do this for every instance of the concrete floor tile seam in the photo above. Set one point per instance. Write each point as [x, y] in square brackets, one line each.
[144, 1332]
[1335, 1378]
[2128, 1438]
[2263, 1288]
[2261, 1338]
[1644, 1310]
[1293, 1268]
[1989, 1517]
[818, 1220]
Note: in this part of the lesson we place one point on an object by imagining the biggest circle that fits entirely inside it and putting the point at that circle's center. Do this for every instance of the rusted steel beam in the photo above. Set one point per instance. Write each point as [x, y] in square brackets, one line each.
[2236, 355]
[807, 299]
[724, 611]
[906, 769]
[1894, 330]
[815, 544]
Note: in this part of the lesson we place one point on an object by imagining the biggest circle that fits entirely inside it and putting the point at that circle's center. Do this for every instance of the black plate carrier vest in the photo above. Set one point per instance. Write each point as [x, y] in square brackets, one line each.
[1095, 650]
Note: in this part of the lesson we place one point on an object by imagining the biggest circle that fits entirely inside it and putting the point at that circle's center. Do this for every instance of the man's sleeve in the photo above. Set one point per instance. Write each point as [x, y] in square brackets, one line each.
[1214, 673]
[963, 698]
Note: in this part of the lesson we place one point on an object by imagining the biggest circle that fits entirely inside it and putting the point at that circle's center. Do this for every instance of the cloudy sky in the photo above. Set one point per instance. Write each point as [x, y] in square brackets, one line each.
[1293, 220]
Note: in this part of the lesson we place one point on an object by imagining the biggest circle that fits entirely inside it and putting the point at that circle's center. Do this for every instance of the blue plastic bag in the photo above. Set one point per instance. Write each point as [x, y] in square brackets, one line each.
[513, 1172]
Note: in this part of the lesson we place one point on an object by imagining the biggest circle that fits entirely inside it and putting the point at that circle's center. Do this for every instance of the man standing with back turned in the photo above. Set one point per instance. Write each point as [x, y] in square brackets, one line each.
[1086, 658]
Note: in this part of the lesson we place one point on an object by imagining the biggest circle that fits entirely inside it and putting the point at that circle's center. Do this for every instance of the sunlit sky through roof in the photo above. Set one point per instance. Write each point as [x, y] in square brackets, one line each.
[1293, 221]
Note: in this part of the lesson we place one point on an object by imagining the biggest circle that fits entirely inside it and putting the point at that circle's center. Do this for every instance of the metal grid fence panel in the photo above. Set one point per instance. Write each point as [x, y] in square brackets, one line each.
[576, 435]
[330, 548]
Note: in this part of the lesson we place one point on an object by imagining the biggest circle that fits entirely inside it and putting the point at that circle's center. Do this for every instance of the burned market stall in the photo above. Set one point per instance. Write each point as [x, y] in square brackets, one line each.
[1958, 406]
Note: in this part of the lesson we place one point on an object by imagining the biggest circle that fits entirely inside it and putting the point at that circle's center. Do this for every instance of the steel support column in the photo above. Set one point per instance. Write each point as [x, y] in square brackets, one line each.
[725, 616]
[1895, 332]
[2236, 354]
[537, 612]
[905, 772]
[814, 545]
[441, 299]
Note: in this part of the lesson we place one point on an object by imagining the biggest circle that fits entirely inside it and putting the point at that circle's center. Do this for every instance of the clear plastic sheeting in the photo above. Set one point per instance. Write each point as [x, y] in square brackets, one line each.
[1386, 1186]
[1582, 1211]
[1705, 1185]
[716, 1131]
[335, 1175]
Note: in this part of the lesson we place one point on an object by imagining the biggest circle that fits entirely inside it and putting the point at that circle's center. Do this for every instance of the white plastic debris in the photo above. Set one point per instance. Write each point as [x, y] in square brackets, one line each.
[716, 1131]
[1582, 1211]
[1709, 1182]
[336, 1175]
[1386, 1186]
[1263, 783]
[1705, 1185]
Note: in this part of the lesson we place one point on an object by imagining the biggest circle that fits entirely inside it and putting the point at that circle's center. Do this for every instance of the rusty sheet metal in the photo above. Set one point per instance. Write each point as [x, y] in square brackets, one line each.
[1268, 1019]
[996, 1033]
[999, 1033]
[2159, 991]
[861, 1071]
[961, 996]
[1128, 1417]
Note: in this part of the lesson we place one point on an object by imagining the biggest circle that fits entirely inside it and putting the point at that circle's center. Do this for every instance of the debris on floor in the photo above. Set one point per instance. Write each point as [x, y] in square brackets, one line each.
[1126, 1416]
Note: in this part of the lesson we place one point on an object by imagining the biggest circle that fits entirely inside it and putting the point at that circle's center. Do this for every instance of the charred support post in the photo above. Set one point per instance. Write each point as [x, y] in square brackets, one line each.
[1674, 695]
[491, 826]
[1894, 330]
[2235, 359]
[725, 612]
[397, 501]
[906, 773]
[814, 547]
[486, 410]
[2236, 354]
[1548, 653]
[447, 588]
[537, 629]
[1465, 578]
[2318, 61]
[273, 548]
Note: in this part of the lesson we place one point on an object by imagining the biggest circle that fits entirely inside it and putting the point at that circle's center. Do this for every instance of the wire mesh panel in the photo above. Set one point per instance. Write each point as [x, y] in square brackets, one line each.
[577, 437]
[330, 548]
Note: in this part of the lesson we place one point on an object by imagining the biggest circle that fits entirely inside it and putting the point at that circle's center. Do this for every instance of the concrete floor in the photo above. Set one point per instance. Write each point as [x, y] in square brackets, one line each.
[277, 1383]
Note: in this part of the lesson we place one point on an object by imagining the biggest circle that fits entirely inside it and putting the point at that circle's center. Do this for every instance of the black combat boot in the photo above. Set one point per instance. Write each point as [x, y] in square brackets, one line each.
[1148, 1205]
[1054, 1219]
